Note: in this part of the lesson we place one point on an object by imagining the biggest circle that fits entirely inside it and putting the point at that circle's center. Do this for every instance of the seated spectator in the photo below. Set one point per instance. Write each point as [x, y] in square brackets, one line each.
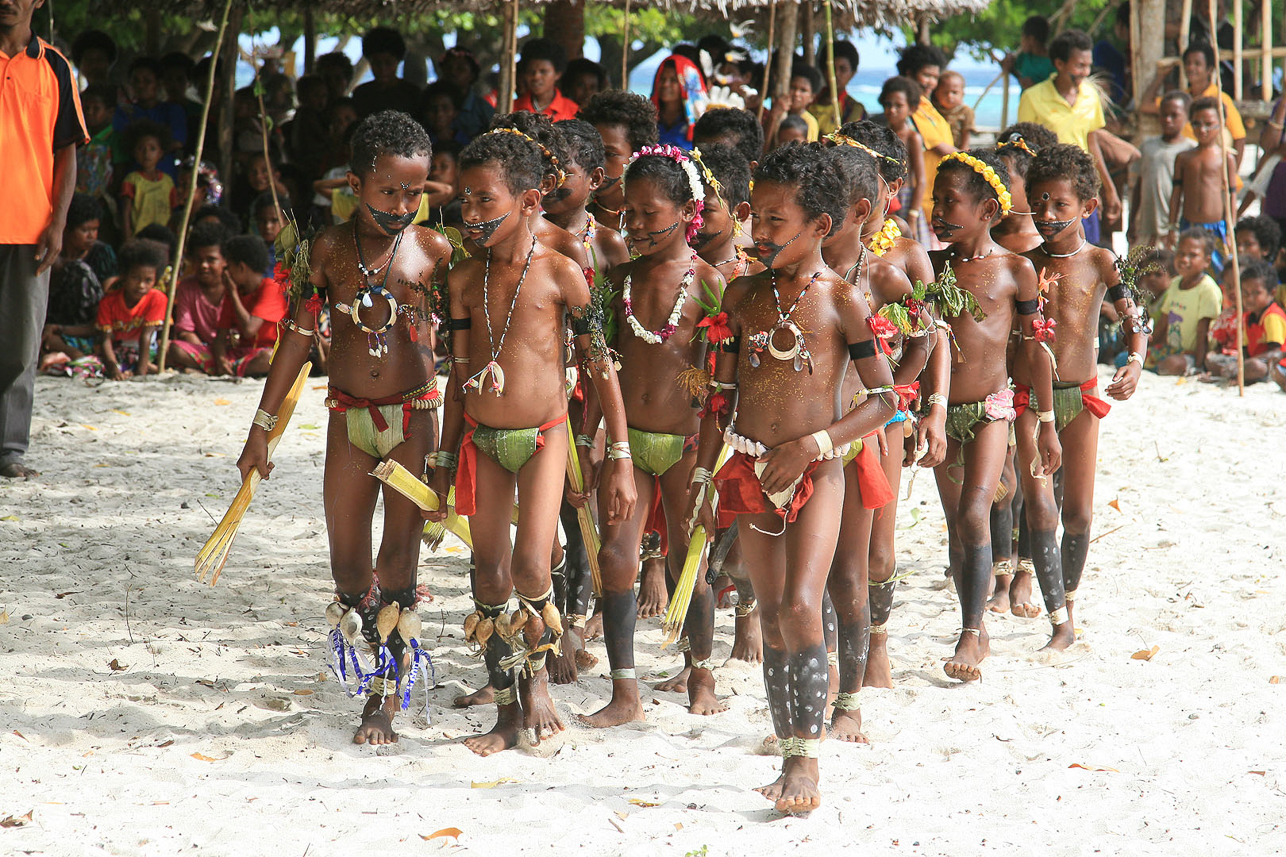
[147, 195]
[443, 170]
[679, 93]
[260, 174]
[948, 98]
[793, 129]
[384, 49]
[145, 87]
[438, 115]
[252, 306]
[850, 109]
[75, 287]
[198, 300]
[163, 235]
[269, 221]
[217, 214]
[131, 313]
[209, 190]
[1263, 330]
[1184, 313]
[459, 70]
[337, 72]
[540, 68]
[582, 80]
[94, 159]
[1260, 237]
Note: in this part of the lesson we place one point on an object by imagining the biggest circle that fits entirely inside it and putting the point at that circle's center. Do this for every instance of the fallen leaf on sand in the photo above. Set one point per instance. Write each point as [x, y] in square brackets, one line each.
[622, 815]
[1274, 680]
[310, 426]
[452, 832]
[122, 413]
[638, 802]
[4, 617]
[166, 743]
[20, 735]
[9, 518]
[91, 428]
[222, 402]
[117, 666]
[1093, 767]
[303, 692]
[492, 783]
[17, 820]
[678, 825]
[201, 757]
[1145, 654]
[1259, 773]
[1115, 504]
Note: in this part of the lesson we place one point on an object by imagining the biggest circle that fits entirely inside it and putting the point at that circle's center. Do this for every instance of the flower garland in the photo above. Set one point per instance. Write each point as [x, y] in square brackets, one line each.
[672, 323]
[988, 174]
[695, 187]
[884, 240]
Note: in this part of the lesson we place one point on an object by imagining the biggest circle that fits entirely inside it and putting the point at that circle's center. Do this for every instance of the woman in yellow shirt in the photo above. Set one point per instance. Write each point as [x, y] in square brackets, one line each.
[923, 64]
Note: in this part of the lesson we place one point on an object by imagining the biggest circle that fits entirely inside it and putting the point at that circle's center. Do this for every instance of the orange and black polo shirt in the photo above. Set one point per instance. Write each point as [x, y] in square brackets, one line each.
[39, 114]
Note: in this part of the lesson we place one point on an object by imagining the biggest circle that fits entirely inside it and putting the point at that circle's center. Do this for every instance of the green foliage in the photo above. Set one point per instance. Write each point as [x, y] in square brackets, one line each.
[997, 30]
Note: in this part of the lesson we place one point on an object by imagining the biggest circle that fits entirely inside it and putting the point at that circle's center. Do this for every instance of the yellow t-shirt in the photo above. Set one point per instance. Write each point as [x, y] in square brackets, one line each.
[1185, 308]
[1072, 123]
[935, 130]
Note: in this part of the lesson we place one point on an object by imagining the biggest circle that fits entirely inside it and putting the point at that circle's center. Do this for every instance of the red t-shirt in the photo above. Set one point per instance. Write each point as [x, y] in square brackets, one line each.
[1265, 330]
[559, 109]
[268, 303]
[125, 323]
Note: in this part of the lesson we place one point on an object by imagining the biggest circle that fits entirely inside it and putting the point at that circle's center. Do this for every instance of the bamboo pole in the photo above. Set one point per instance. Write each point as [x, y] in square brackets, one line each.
[505, 89]
[763, 95]
[830, 66]
[625, 50]
[1004, 102]
[1228, 217]
[310, 39]
[172, 282]
[1266, 44]
[1185, 25]
[1239, 32]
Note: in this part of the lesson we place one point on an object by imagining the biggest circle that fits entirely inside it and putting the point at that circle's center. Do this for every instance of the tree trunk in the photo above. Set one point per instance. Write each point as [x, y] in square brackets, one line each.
[787, 28]
[810, 32]
[228, 110]
[1146, 48]
[565, 24]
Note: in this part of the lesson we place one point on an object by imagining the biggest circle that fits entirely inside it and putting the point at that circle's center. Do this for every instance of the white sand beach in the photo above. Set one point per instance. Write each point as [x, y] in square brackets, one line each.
[146, 713]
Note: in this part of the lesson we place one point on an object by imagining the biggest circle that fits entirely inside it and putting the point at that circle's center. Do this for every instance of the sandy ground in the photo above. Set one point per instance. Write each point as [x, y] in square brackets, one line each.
[147, 713]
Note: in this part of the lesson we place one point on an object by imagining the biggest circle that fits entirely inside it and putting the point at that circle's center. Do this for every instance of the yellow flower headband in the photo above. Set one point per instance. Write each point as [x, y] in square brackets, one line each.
[706, 173]
[844, 140]
[989, 174]
[1019, 142]
[544, 151]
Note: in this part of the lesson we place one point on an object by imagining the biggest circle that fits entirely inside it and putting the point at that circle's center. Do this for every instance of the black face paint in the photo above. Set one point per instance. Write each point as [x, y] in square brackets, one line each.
[944, 229]
[1050, 228]
[701, 239]
[486, 228]
[768, 251]
[558, 194]
[608, 183]
[654, 238]
[391, 223]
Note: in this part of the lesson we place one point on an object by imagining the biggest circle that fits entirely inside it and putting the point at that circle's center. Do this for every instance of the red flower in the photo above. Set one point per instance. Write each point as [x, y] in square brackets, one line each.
[716, 328]
[281, 276]
[913, 307]
[589, 277]
[1043, 330]
[314, 304]
[906, 394]
[717, 404]
[881, 326]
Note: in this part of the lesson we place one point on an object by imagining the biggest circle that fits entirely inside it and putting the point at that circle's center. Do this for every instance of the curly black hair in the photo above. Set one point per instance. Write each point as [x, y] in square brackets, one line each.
[1206, 102]
[916, 57]
[389, 132]
[1204, 237]
[1065, 161]
[207, 234]
[1033, 136]
[977, 185]
[383, 40]
[858, 170]
[518, 160]
[93, 40]
[904, 85]
[665, 173]
[226, 218]
[247, 249]
[1262, 270]
[731, 122]
[584, 145]
[161, 234]
[809, 168]
[84, 208]
[141, 129]
[141, 253]
[543, 49]
[633, 112]
[882, 139]
[1066, 42]
[1267, 232]
[151, 64]
[540, 128]
[731, 170]
[808, 73]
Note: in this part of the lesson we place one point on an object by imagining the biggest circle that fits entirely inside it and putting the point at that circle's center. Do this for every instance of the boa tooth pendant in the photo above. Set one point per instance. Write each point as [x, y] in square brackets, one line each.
[376, 344]
[497, 374]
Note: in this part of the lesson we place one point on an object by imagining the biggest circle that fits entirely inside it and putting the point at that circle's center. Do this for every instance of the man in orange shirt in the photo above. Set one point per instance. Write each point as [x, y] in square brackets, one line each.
[540, 68]
[40, 127]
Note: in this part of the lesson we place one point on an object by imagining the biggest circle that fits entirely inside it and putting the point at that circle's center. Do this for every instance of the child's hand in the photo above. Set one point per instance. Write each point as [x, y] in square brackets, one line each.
[1125, 381]
[254, 456]
[115, 373]
[439, 484]
[931, 436]
[223, 366]
[700, 509]
[589, 477]
[785, 464]
[621, 493]
[1050, 450]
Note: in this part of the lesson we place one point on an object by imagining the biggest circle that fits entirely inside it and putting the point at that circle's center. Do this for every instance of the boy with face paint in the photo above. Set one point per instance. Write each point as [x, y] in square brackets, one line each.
[795, 330]
[377, 273]
[626, 122]
[1017, 145]
[969, 198]
[657, 336]
[872, 476]
[1074, 278]
[585, 175]
[504, 428]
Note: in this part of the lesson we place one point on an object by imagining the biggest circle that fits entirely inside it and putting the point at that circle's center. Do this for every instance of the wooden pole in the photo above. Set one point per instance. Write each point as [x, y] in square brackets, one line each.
[1266, 41]
[1004, 102]
[836, 95]
[1185, 24]
[1147, 46]
[310, 39]
[1239, 34]
[505, 89]
[786, 34]
[810, 32]
[231, 53]
[171, 284]
[763, 95]
[625, 49]
[1228, 213]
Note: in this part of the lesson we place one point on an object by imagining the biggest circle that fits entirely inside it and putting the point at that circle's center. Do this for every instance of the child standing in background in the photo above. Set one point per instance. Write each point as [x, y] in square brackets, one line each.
[147, 194]
[1199, 195]
[899, 98]
[1031, 65]
[1150, 202]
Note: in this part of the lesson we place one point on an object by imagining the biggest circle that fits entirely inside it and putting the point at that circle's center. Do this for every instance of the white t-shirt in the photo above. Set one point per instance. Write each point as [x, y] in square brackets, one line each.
[1156, 184]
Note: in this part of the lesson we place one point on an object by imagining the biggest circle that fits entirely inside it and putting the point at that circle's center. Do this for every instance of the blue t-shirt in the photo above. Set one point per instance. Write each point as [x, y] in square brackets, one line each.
[674, 135]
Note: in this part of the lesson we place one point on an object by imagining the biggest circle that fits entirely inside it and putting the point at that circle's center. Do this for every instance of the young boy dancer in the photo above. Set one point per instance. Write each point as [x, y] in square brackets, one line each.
[1074, 277]
[376, 272]
[507, 314]
[794, 330]
[660, 348]
[626, 122]
[566, 207]
[969, 198]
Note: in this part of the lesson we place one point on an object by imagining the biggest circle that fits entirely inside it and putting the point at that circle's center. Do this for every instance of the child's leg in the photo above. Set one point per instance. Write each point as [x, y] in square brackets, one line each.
[1080, 451]
[747, 642]
[1041, 510]
[1002, 525]
[949, 476]
[698, 628]
[847, 587]
[883, 568]
[618, 563]
[984, 460]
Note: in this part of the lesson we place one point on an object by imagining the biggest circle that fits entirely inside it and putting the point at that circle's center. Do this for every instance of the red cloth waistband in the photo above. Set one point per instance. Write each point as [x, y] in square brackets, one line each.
[741, 492]
[340, 402]
[871, 480]
[1093, 404]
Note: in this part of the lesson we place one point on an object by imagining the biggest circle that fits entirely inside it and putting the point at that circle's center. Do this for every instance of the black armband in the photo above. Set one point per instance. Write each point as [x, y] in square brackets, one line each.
[1118, 293]
[582, 325]
[1029, 307]
[861, 350]
[460, 323]
[731, 345]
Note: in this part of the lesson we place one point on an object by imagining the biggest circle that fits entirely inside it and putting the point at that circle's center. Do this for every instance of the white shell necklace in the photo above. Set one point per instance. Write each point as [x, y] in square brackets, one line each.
[672, 323]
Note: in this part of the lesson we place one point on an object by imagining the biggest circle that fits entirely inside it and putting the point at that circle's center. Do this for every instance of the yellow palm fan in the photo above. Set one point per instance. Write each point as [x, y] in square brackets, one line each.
[400, 480]
[588, 531]
[677, 613]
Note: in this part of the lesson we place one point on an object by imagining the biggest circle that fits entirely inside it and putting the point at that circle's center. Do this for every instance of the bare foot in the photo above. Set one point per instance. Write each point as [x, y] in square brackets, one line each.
[701, 696]
[1020, 596]
[625, 707]
[971, 651]
[748, 644]
[482, 696]
[772, 791]
[653, 599]
[847, 726]
[722, 584]
[563, 667]
[539, 714]
[502, 736]
[678, 684]
[377, 721]
[1064, 636]
[999, 601]
[594, 628]
[584, 660]
[799, 792]
[879, 671]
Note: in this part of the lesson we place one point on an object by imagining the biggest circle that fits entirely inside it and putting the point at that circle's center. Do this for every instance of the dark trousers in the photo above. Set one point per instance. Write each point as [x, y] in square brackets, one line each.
[23, 298]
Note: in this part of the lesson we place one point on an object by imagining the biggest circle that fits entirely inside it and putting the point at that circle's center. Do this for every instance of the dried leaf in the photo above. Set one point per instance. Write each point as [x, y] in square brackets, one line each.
[1093, 767]
[201, 757]
[122, 413]
[1115, 504]
[1258, 773]
[622, 815]
[1145, 654]
[20, 735]
[4, 617]
[17, 820]
[309, 426]
[678, 825]
[9, 518]
[1275, 680]
[303, 692]
[451, 832]
[492, 783]
[166, 743]
[222, 402]
[638, 802]
[205, 681]
[117, 666]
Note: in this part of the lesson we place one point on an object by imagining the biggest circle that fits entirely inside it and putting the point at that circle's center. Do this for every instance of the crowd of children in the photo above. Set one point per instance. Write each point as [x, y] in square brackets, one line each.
[728, 327]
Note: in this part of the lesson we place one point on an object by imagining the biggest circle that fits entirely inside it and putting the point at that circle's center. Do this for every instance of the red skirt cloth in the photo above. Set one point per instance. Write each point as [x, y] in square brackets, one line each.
[1093, 404]
[466, 500]
[874, 485]
[741, 492]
